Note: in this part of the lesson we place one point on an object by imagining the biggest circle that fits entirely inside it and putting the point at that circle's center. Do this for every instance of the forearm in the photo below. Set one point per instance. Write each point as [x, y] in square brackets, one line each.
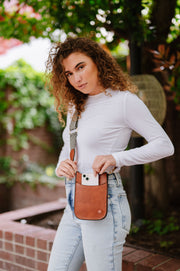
[150, 152]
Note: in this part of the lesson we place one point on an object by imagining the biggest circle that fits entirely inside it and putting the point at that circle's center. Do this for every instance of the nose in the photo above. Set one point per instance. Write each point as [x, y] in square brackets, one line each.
[77, 78]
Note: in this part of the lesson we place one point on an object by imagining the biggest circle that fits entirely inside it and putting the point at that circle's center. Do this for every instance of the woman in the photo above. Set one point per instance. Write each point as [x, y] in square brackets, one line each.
[84, 77]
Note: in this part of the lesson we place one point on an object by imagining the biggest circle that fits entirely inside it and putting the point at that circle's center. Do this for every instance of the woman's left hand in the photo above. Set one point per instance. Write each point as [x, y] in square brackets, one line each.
[102, 162]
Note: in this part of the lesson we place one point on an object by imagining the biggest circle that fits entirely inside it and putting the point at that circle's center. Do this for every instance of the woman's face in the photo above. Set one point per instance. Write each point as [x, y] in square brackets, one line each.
[82, 73]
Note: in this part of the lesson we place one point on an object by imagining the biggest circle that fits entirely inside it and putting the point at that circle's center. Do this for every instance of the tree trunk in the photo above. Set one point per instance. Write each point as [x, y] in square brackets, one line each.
[161, 18]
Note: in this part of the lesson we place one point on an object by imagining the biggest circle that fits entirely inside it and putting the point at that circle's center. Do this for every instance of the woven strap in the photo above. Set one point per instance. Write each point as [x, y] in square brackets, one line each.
[73, 134]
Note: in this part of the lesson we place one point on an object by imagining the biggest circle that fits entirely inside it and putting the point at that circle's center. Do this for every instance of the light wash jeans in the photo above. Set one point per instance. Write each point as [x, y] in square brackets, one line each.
[99, 243]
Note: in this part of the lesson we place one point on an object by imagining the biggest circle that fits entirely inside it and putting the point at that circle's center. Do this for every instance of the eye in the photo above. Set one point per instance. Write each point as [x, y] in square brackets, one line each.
[80, 67]
[68, 74]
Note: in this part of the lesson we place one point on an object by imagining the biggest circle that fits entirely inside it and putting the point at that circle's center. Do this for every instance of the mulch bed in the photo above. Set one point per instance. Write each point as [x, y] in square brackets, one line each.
[168, 244]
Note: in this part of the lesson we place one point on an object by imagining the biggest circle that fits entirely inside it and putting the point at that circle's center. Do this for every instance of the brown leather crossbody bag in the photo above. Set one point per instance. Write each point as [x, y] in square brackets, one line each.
[90, 201]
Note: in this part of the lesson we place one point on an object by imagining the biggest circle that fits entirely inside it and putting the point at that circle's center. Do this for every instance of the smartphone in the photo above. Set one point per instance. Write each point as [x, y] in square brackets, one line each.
[90, 179]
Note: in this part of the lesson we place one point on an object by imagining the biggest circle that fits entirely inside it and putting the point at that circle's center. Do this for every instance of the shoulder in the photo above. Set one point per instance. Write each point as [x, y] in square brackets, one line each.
[130, 98]
[119, 92]
[130, 104]
[124, 96]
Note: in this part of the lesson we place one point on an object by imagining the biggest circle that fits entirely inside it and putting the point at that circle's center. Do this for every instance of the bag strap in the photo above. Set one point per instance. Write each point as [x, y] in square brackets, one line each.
[73, 134]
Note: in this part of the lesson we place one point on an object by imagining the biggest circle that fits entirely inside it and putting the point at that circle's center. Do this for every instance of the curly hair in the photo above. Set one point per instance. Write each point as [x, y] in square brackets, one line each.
[109, 72]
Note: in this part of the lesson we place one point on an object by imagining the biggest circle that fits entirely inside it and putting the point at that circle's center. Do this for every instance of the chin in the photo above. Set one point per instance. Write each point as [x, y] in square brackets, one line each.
[84, 92]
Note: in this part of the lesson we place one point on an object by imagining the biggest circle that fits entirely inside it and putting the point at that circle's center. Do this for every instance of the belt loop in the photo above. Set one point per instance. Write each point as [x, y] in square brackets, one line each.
[118, 181]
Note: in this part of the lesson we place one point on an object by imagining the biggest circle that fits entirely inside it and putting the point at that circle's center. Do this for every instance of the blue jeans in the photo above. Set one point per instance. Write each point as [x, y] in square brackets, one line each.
[99, 243]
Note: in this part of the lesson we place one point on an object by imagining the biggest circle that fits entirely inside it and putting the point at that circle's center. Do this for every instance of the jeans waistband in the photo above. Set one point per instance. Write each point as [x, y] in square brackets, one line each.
[115, 177]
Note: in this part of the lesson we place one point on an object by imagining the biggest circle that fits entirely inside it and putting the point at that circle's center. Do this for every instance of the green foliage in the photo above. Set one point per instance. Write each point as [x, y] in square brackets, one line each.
[7, 171]
[159, 224]
[162, 226]
[117, 17]
[166, 244]
[95, 18]
[25, 104]
[175, 25]
[134, 229]
[21, 22]
[31, 173]
[34, 174]
[167, 61]
[4, 164]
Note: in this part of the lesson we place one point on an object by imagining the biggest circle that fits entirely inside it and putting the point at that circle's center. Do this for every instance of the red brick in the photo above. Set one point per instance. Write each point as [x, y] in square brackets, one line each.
[30, 263]
[48, 235]
[172, 265]
[42, 266]
[151, 262]
[35, 210]
[30, 241]
[50, 245]
[19, 249]
[30, 252]
[136, 256]
[20, 259]
[42, 256]
[138, 260]
[44, 234]
[42, 244]
[24, 261]
[1, 264]
[130, 259]
[48, 256]
[19, 238]
[127, 266]
[8, 236]
[13, 267]
[6, 256]
[127, 250]
[8, 246]
[11, 226]
[4, 225]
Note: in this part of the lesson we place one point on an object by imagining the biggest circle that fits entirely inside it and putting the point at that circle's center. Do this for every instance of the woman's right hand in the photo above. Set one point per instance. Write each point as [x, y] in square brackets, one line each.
[67, 168]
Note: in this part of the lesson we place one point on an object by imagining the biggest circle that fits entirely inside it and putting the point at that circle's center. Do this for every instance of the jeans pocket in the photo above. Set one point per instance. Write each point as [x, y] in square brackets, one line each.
[68, 190]
[69, 187]
[125, 212]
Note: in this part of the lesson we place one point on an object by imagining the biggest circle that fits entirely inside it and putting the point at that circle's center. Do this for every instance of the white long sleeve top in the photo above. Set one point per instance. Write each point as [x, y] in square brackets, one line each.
[105, 128]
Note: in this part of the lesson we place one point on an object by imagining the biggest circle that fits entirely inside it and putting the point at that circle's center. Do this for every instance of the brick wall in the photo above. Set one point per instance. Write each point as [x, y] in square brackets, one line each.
[27, 248]
[22, 195]
[35, 152]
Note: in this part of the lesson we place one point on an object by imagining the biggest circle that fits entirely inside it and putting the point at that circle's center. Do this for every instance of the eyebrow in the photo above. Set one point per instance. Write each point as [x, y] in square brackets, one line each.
[76, 66]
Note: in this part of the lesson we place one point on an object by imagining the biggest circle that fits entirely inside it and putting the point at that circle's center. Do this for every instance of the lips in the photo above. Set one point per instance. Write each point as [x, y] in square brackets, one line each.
[82, 85]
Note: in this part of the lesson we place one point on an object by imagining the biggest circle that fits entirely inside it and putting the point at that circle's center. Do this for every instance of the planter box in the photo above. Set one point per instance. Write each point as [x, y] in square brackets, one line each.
[27, 248]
